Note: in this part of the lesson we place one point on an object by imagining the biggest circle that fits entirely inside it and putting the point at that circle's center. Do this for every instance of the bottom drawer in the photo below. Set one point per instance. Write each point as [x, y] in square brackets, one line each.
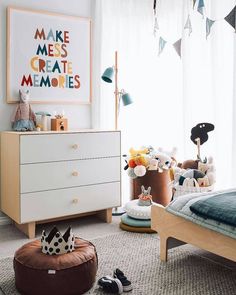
[63, 202]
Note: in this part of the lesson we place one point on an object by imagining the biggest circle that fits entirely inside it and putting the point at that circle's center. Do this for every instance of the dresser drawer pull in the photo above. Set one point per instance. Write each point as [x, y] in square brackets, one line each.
[75, 201]
[75, 146]
[75, 173]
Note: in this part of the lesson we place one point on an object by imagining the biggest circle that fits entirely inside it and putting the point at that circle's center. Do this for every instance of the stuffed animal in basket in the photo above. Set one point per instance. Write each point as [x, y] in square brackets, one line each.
[145, 199]
[24, 118]
[208, 168]
[164, 162]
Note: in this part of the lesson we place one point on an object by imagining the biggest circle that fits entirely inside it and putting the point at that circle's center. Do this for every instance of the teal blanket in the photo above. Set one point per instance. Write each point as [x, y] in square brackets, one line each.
[180, 206]
[221, 207]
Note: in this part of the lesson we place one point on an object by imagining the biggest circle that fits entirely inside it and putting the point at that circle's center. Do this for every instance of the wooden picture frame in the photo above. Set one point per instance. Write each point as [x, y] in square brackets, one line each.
[49, 54]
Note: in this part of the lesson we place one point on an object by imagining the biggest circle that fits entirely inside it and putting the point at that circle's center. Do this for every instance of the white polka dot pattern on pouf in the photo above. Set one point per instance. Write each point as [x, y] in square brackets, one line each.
[55, 243]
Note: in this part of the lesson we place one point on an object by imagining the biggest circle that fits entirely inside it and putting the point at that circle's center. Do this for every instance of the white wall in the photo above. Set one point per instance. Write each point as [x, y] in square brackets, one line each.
[79, 116]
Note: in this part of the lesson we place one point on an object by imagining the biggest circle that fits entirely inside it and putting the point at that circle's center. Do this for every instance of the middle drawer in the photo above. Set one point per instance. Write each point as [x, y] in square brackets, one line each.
[55, 175]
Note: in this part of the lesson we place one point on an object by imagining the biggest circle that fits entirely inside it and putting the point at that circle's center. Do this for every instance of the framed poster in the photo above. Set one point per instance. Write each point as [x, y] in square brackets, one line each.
[48, 54]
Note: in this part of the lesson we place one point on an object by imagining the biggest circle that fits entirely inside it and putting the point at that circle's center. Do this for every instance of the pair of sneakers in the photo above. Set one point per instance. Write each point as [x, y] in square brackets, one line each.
[116, 284]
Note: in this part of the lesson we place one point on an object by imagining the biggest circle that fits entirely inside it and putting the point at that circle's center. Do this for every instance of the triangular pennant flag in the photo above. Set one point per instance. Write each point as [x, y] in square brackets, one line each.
[156, 26]
[194, 1]
[200, 6]
[177, 46]
[230, 18]
[188, 25]
[209, 24]
[162, 44]
[154, 5]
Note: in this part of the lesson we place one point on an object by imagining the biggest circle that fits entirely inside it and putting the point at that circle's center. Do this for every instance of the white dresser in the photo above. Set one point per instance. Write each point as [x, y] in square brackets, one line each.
[53, 175]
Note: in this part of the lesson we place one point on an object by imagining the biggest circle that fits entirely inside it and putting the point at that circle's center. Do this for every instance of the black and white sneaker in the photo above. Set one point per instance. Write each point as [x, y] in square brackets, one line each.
[127, 287]
[110, 285]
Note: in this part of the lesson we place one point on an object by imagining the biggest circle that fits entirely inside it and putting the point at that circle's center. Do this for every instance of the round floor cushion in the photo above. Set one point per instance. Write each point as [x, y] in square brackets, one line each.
[67, 274]
[126, 227]
[139, 212]
[135, 222]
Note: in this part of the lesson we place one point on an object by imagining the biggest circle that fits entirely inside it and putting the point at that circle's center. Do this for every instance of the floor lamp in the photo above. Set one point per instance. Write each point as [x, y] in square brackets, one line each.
[108, 75]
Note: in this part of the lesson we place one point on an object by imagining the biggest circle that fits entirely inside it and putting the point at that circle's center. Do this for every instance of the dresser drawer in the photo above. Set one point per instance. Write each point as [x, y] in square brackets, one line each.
[57, 203]
[58, 147]
[55, 175]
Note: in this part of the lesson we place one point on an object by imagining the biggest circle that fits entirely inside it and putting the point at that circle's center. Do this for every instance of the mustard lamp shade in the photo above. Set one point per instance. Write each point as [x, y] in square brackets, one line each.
[108, 75]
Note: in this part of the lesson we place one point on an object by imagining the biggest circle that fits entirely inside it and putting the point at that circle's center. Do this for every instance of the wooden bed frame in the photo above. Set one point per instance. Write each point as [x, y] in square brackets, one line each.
[175, 231]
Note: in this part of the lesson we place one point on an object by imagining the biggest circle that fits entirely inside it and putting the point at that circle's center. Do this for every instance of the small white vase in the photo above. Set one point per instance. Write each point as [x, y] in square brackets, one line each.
[44, 123]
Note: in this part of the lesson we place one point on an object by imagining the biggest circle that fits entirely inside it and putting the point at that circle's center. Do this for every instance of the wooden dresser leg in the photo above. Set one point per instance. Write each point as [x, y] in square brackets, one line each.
[163, 248]
[27, 228]
[105, 215]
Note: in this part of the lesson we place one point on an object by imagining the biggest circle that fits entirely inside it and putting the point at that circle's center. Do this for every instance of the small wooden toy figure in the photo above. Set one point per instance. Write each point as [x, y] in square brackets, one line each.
[24, 118]
[145, 199]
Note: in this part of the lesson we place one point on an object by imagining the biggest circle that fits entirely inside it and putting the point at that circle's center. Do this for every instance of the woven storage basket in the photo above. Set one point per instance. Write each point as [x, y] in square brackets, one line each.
[183, 190]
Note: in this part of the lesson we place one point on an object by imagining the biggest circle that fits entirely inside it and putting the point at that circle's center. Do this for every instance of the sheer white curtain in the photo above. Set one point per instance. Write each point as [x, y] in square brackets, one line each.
[170, 94]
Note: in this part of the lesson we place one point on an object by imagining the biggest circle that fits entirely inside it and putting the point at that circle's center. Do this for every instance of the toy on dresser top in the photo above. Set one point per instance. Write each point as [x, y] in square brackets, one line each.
[59, 123]
[23, 118]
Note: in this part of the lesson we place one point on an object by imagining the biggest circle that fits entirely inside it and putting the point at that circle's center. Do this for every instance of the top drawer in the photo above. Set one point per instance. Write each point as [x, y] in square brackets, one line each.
[58, 147]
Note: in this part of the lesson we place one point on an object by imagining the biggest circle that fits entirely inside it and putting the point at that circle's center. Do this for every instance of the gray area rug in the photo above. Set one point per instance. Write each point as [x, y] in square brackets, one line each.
[137, 255]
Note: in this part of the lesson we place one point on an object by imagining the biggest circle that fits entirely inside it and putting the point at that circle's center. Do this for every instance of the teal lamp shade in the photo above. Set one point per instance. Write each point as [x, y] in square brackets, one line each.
[126, 98]
[108, 75]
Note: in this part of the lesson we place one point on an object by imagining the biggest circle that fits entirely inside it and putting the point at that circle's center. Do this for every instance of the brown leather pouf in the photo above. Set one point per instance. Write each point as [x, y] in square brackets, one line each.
[66, 274]
[159, 182]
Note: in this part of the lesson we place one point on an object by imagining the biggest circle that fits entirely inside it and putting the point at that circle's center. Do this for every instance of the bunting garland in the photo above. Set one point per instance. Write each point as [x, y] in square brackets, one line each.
[230, 19]
[188, 25]
[177, 46]
[209, 24]
[200, 7]
[194, 1]
[155, 4]
[156, 26]
[162, 43]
